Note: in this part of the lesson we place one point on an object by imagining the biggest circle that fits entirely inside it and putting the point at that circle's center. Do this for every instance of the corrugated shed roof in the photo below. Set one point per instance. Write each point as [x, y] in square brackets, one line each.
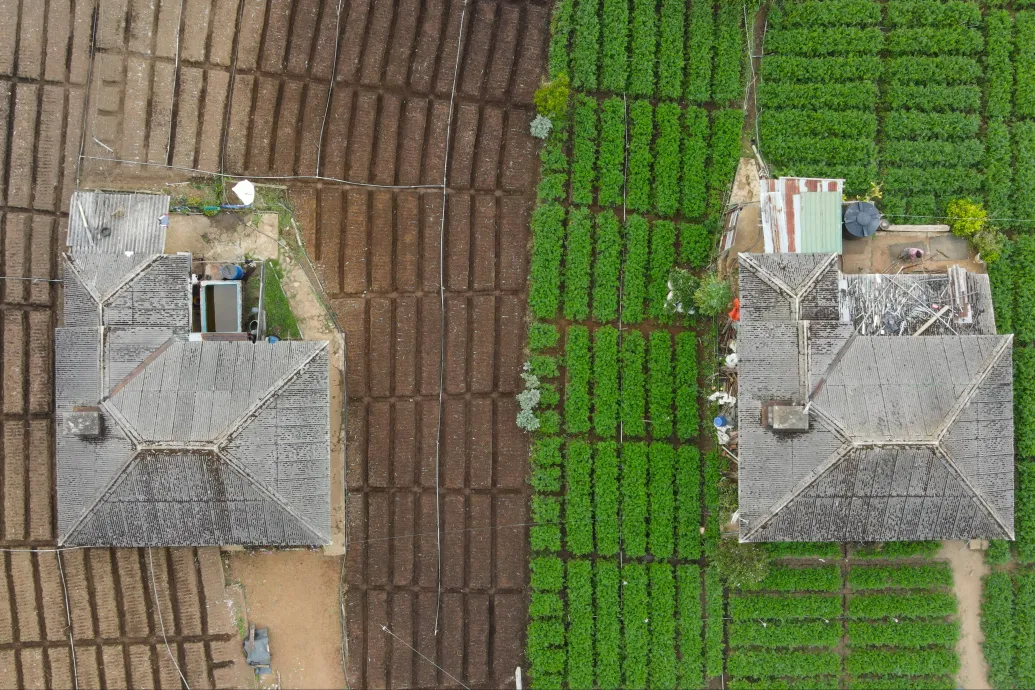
[820, 225]
[909, 437]
[133, 221]
[798, 215]
[130, 291]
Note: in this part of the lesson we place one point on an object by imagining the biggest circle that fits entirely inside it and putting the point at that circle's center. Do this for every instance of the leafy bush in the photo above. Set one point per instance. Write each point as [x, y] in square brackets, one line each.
[641, 132]
[690, 647]
[576, 391]
[688, 503]
[687, 416]
[788, 634]
[578, 504]
[776, 664]
[900, 576]
[643, 47]
[546, 534]
[666, 159]
[904, 635]
[605, 497]
[662, 660]
[713, 624]
[682, 285]
[660, 386]
[833, 96]
[609, 638]
[935, 41]
[1024, 93]
[1024, 174]
[966, 218]
[782, 578]
[611, 164]
[729, 54]
[998, 65]
[605, 382]
[580, 623]
[551, 99]
[560, 32]
[713, 297]
[997, 615]
[662, 259]
[634, 499]
[606, 267]
[1025, 511]
[914, 662]
[584, 152]
[784, 607]
[544, 291]
[839, 41]
[542, 336]
[577, 259]
[832, 70]
[540, 127]
[635, 614]
[926, 605]
[614, 67]
[1024, 629]
[547, 574]
[700, 43]
[670, 52]
[585, 58]
[933, 97]
[695, 152]
[635, 272]
[998, 174]
[661, 537]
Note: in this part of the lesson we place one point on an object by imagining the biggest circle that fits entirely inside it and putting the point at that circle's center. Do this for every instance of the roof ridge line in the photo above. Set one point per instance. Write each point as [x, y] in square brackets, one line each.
[70, 264]
[108, 488]
[133, 274]
[804, 483]
[138, 369]
[971, 391]
[238, 424]
[812, 280]
[260, 486]
[978, 494]
[767, 277]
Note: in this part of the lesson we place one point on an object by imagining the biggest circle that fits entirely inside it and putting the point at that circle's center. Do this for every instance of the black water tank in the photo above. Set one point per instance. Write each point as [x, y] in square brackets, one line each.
[861, 219]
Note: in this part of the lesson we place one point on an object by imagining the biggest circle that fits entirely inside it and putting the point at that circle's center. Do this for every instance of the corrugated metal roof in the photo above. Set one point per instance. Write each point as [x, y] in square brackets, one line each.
[132, 218]
[783, 215]
[820, 224]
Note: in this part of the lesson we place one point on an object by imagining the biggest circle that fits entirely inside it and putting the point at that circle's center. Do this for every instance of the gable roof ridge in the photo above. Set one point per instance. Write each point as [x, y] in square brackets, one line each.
[978, 494]
[765, 276]
[138, 369]
[101, 495]
[813, 279]
[805, 482]
[70, 265]
[133, 274]
[961, 403]
[238, 425]
[260, 486]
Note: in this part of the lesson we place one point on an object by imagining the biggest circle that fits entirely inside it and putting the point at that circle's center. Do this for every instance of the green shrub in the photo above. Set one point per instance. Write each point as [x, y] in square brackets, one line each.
[741, 565]
[966, 218]
[551, 99]
[713, 297]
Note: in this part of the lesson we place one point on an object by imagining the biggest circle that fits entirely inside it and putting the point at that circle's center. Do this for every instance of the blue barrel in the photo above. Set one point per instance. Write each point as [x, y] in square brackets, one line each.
[272, 339]
[721, 421]
[231, 272]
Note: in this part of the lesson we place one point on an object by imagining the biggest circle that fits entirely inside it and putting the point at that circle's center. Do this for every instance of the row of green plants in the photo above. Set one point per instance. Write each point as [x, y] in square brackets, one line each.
[651, 48]
[794, 626]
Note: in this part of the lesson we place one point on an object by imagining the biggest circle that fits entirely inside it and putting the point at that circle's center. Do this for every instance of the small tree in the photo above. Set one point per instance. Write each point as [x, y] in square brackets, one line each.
[551, 99]
[966, 218]
[681, 287]
[741, 564]
[713, 297]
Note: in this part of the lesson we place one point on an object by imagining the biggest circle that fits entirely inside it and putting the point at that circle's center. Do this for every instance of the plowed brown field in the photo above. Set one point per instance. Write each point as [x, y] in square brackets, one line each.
[291, 88]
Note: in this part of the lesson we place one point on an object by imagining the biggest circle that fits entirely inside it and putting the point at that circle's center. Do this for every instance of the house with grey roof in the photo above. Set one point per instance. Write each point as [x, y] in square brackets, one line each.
[167, 437]
[857, 424]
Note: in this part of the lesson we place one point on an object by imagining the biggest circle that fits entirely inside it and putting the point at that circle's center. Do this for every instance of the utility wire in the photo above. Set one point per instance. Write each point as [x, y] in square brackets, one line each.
[161, 620]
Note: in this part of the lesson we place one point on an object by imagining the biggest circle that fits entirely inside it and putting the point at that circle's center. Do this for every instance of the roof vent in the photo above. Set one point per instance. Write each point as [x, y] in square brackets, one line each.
[782, 416]
[861, 219]
[84, 422]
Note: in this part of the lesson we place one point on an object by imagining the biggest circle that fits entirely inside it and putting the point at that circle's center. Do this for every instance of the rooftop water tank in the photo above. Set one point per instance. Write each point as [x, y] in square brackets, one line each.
[861, 219]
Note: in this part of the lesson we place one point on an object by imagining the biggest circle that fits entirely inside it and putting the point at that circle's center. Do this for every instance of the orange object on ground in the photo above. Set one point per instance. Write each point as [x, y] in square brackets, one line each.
[734, 313]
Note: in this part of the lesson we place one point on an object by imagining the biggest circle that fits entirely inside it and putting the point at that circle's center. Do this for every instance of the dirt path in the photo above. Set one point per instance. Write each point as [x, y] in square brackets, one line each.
[968, 567]
[295, 595]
